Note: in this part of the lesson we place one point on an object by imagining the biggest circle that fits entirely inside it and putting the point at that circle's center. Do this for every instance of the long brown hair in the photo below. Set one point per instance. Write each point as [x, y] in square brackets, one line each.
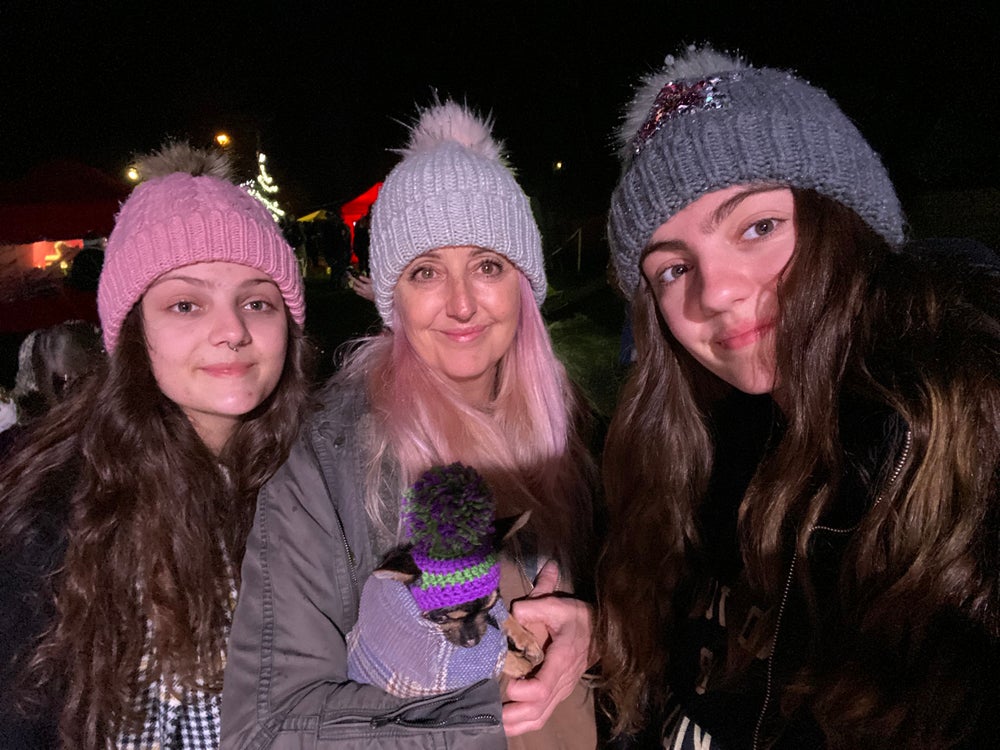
[856, 319]
[154, 534]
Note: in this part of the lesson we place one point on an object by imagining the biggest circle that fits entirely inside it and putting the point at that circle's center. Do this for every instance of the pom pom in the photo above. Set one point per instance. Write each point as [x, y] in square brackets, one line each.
[449, 512]
[182, 157]
[453, 122]
[695, 63]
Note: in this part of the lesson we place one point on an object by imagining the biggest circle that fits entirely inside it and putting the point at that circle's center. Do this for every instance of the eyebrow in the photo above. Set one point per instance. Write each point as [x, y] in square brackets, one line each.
[718, 216]
[476, 250]
[208, 282]
[724, 210]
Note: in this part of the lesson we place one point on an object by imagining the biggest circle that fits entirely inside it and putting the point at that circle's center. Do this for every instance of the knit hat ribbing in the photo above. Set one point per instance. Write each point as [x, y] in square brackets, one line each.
[453, 187]
[186, 212]
[448, 514]
[706, 122]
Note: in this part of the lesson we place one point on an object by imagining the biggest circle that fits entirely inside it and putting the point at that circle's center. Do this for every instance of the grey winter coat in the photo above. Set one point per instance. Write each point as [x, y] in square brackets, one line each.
[307, 557]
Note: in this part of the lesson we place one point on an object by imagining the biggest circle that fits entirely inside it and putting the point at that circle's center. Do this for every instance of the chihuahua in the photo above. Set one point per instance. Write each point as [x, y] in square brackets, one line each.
[465, 624]
[431, 618]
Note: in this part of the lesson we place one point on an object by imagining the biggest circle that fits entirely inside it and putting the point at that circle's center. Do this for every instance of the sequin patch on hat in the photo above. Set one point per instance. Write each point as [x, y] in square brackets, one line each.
[677, 98]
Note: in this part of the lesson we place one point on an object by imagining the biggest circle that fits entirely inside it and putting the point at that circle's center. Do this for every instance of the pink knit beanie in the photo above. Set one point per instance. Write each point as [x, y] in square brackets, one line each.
[188, 211]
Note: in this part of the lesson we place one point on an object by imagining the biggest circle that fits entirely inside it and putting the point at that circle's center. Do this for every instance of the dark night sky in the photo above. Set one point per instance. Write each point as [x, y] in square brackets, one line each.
[323, 85]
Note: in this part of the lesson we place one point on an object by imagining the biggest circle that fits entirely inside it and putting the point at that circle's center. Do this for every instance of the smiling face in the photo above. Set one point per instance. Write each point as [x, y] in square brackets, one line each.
[714, 269]
[194, 317]
[459, 308]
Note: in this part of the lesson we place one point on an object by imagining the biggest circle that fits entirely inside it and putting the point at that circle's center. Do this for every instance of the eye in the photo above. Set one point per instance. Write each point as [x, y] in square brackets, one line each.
[184, 306]
[760, 229]
[259, 305]
[422, 273]
[491, 267]
[672, 273]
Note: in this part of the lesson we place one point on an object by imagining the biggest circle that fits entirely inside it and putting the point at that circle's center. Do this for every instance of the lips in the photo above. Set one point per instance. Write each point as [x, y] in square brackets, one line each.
[462, 335]
[737, 338]
[228, 369]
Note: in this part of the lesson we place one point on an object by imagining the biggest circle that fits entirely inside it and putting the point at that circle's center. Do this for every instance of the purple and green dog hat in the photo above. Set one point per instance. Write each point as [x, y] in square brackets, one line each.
[449, 515]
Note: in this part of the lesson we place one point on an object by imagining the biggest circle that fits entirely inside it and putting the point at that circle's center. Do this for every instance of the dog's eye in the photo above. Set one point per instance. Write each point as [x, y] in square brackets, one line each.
[439, 618]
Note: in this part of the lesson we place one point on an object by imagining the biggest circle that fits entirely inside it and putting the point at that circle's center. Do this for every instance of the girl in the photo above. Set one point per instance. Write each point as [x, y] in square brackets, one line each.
[125, 514]
[802, 472]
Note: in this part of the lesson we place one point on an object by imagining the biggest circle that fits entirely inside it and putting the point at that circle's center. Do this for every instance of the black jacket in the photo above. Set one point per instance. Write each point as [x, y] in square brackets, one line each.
[726, 680]
[26, 610]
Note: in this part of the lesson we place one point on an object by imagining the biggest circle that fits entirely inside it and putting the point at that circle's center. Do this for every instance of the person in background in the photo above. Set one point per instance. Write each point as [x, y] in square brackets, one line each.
[123, 517]
[85, 269]
[362, 242]
[803, 470]
[463, 371]
[361, 285]
[51, 362]
[8, 415]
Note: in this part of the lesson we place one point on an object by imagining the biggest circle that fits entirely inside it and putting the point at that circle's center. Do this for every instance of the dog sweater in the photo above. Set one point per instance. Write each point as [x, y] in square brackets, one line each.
[394, 647]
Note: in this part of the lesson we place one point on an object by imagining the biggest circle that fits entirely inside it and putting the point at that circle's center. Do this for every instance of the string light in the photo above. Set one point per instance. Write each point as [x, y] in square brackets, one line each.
[264, 187]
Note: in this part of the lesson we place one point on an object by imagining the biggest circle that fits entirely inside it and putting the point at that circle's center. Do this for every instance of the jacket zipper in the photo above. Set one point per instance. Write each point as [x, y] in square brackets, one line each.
[378, 722]
[397, 718]
[340, 523]
[769, 684]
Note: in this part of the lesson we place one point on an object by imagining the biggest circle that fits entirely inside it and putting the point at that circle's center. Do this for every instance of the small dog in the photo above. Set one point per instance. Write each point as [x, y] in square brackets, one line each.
[465, 624]
[440, 591]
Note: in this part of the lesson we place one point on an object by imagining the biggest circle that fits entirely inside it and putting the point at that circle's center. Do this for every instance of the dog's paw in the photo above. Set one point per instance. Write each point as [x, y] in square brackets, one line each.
[522, 642]
[516, 666]
[533, 653]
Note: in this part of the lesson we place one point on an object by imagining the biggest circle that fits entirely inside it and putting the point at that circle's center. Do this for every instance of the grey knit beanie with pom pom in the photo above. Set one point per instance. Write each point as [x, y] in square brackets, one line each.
[453, 187]
[708, 121]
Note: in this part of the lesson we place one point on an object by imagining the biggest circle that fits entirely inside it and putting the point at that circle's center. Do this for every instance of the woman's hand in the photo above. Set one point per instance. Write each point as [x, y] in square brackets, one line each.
[563, 625]
[362, 286]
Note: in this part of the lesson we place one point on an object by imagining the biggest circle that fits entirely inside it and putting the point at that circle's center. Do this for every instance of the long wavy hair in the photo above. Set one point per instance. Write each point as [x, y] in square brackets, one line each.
[528, 443]
[858, 321]
[155, 528]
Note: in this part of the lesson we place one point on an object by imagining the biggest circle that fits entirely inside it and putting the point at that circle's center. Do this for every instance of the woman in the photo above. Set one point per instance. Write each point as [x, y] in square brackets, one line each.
[464, 371]
[125, 513]
[802, 472]
[50, 363]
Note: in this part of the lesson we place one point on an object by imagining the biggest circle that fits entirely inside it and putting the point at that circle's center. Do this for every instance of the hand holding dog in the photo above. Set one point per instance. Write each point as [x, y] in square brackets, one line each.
[564, 624]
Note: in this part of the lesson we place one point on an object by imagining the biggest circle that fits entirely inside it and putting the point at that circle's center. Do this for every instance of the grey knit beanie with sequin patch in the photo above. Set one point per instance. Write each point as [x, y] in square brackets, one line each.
[453, 187]
[707, 121]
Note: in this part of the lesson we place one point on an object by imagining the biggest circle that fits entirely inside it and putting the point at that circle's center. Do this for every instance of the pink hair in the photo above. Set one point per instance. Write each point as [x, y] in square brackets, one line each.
[525, 444]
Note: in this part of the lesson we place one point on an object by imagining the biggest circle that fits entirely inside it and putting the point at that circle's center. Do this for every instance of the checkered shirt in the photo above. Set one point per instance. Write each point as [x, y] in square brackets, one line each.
[177, 718]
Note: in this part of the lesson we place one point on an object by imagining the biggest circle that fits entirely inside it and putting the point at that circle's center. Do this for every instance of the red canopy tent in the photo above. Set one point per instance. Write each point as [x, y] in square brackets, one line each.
[55, 206]
[59, 201]
[354, 209]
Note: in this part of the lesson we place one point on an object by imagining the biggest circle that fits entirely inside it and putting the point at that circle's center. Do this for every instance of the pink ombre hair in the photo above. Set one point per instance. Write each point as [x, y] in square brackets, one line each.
[525, 444]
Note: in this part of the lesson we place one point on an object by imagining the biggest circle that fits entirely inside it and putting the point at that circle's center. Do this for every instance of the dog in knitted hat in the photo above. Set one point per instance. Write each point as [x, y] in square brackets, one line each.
[431, 618]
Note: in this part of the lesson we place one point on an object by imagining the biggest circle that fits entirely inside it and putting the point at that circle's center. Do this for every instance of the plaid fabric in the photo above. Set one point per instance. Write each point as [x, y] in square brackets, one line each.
[177, 718]
[395, 648]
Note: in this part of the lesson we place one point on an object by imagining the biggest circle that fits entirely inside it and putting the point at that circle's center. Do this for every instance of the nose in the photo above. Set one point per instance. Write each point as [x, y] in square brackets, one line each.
[720, 285]
[461, 303]
[229, 327]
[470, 634]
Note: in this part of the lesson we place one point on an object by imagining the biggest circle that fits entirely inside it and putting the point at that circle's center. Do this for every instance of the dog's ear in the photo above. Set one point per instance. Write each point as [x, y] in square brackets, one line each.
[398, 565]
[505, 528]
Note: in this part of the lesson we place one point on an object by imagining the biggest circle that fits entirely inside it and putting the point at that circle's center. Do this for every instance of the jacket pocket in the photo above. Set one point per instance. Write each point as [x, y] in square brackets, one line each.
[469, 718]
